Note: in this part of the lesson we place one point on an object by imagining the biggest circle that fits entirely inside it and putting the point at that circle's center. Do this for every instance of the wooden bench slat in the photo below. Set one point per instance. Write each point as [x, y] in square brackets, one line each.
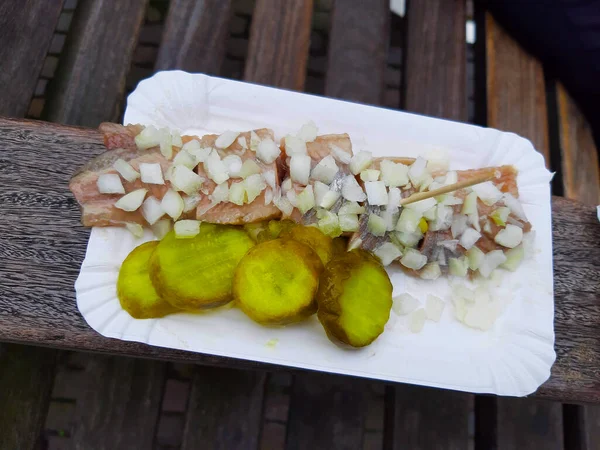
[26, 375]
[194, 36]
[527, 423]
[591, 427]
[580, 165]
[326, 412]
[224, 410]
[358, 44]
[279, 42]
[516, 97]
[430, 418]
[26, 28]
[435, 71]
[90, 81]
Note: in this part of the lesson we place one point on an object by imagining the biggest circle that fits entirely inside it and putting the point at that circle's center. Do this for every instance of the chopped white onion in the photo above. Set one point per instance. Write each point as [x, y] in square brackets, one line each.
[459, 225]
[515, 206]
[135, 228]
[450, 244]
[450, 200]
[443, 218]
[459, 267]
[351, 208]
[172, 204]
[329, 223]
[237, 193]
[191, 202]
[393, 174]
[417, 170]
[351, 190]
[425, 182]
[470, 204]
[475, 257]
[284, 205]
[387, 252]
[408, 221]
[326, 170]
[361, 161]
[152, 210]
[215, 168]
[233, 164]
[376, 193]
[185, 229]
[431, 271]
[487, 192]
[131, 201]
[320, 190]
[409, 239]
[110, 183]
[149, 137]
[451, 178]
[269, 177]
[437, 160]
[191, 145]
[487, 227]
[176, 138]
[417, 320]
[254, 185]
[429, 214]
[330, 199]
[354, 244]
[249, 167]
[308, 132]
[161, 228]
[348, 222]
[514, 257]
[291, 196]
[184, 158]
[300, 168]
[510, 237]
[422, 205]
[404, 304]
[166, 143]
[469, 238]
[286, 185]
[434, 307]
[340, 154]
[126, 170]
[185, 180]
[376, 225]
[370, 175]
[254, 141]
[151, 173]
[242, 141]
[220, 193]
[394, 197]
[267, 151]
[413, 259]
[226, 139]
[294, 145]
[500, 215]
[269, 196]
[492, 260]
[305, 200]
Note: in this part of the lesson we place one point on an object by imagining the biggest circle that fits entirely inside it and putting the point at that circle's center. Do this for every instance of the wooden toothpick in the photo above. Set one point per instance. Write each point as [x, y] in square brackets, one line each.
[450, 188]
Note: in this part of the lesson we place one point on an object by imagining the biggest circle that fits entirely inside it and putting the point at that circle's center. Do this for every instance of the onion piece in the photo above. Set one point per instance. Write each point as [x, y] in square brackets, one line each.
[191, 202]
[186, 180]
[514, 258]
[267, 151]
[500, 215]
[220, 193]
[294, 145]
[329, 223]
[487, 192]
[376, 193]
[351, 208]
[434, 307]
[360, 162]
[166, 143]
[110, 183]
[184, 158]
[475, 257]
[233, 165]
[437, 160]
[459, 225]
[370, 175]
[269, 177]
[135, 228]
[413, 259]
[492, 260]
[404, 304]
[417, 170]
[191, 145]
[450, 200]
[254, 141]
[430, 214]
[186, 229]
[329, 199]
[469, 238]
[470, 204]
[131, 201]
[226, 139]
[300, 168]
[443, 218]
[340, 154]
[243, 142]
[152, 210]
[149, 137]
[151, 173]
[376, 225]
[431, 271]
[215, 168]
[417, 321]
[286, 185]
[326, 170]
[308, 132]
[249, 167]
[510, 237]
[320, 190]
[172, 204]
[200, 154]
[450, 244]
[126, 170]
[515, 206]
[291, 196]
[387, 253]
[351, 190]
[408, 239]
[393, 174]
[348, 222]
[254, 185]
[305, 201]
[161, 228]
[422, 205]
[269, 196]
[237, 193]
[409, 221]
[284, 205]
[451, 178]
[458, 267]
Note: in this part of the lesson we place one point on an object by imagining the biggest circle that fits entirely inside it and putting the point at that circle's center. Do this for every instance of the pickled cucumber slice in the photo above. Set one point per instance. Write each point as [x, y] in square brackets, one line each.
[276, 227]
[197, 273]
[276, 282]
[340, 245]
[255, 229]
[134, 288]
[354, 298]
[321, 244]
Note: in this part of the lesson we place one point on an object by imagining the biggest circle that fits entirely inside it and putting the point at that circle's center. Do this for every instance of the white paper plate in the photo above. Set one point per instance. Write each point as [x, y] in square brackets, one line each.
[513, 358]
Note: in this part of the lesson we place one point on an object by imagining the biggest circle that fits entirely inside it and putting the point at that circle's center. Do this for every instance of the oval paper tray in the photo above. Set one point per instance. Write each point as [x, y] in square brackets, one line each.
[513, 358]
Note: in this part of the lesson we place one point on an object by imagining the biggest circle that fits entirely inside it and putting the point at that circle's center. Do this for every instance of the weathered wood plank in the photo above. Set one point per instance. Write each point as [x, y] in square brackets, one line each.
[26, 28]
[90, 81]
[591, 427]
[516, 98]
[435, 70]
[580, 165]
[326, 412]
[26, 375]
[194, 36]
[527, 423]
[430, 418]
[279, 42]
[224, 410]
[358, 45]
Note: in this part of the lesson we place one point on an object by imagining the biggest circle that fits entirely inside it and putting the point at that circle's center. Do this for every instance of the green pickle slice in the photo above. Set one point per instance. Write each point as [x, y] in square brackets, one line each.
[197, 273]
[354, 298]
[321, 244]
[276, 282]
[134, 287]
